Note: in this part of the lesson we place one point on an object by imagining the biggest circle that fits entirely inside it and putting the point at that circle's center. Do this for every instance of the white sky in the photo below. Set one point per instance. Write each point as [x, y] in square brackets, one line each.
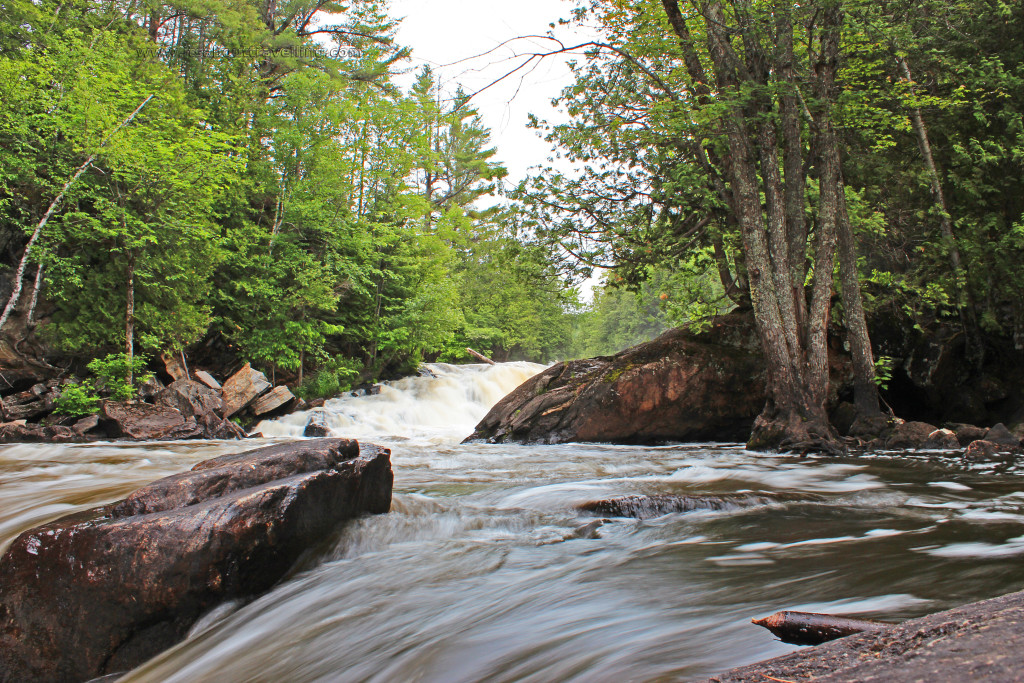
[442, 32]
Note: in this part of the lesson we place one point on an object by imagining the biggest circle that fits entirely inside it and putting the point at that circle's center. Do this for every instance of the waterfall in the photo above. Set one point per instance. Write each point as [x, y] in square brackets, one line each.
[441, 405]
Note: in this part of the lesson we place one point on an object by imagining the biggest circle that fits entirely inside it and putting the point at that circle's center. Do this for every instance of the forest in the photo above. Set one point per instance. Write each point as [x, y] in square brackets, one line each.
[251, 181]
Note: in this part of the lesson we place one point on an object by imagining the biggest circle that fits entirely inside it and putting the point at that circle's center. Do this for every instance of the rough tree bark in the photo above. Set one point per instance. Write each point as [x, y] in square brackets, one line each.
[129, 317]
[754, 68]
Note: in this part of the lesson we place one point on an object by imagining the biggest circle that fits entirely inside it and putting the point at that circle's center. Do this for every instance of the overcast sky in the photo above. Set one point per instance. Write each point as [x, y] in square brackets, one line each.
[444, 32]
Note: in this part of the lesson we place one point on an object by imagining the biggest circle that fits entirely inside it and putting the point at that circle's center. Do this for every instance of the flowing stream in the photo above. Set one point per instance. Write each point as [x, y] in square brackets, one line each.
[485, 571]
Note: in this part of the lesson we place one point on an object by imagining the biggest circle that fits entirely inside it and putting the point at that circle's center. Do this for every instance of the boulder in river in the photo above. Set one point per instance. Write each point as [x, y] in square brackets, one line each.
[316, 425]
[967, 433]
[102, 591]
[1001, 435]
[989, 451]
[646, 507]
[909, 435]
[942, 439]
[682, 386]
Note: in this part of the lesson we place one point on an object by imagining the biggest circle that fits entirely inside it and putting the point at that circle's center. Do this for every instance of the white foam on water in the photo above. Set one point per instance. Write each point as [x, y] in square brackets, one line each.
[442, 405]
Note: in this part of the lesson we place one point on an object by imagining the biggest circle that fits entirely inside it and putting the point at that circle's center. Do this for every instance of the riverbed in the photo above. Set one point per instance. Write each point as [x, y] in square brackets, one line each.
[485, 571]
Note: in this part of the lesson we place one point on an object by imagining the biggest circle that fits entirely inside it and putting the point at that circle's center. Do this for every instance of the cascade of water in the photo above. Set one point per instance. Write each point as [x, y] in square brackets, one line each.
[441, 405]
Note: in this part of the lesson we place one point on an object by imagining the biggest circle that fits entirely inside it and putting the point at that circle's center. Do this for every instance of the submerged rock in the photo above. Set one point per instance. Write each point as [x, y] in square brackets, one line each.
[989, 451]
[103, 591]
[646, 507]
[316, 425]
[679, 387]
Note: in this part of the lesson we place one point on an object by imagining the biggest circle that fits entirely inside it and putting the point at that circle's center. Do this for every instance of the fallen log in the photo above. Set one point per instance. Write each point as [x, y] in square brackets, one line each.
[811, 628]
[480, 357]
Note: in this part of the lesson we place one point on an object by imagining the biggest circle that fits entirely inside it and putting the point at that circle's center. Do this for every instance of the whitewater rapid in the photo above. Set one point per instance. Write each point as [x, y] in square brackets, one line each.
[441, 405]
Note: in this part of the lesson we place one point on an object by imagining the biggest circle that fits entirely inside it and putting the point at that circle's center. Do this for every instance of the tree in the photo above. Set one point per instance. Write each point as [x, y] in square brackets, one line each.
[730, 115]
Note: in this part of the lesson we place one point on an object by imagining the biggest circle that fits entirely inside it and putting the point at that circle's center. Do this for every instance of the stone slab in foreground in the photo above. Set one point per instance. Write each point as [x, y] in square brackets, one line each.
[981, 641]
[102, 591]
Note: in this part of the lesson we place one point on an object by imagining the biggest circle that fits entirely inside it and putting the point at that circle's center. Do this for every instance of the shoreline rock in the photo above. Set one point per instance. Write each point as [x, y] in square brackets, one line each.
[681, 386]
[975, 642]
[102, 591]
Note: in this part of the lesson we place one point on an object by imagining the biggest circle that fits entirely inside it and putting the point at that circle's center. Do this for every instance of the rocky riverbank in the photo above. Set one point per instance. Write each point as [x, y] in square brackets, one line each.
[191, 406]
[980, 641]
[709, 385]
[100, 592]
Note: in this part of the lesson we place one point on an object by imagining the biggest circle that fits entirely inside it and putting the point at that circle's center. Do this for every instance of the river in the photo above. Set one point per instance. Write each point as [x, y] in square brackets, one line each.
[484, 571]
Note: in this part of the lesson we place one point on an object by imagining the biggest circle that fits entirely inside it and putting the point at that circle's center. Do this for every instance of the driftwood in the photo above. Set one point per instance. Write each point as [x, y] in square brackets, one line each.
[810, 628]
[480, 357]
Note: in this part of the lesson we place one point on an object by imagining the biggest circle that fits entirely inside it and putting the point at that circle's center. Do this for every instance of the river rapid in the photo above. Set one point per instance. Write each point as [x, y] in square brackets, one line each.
[484, 571]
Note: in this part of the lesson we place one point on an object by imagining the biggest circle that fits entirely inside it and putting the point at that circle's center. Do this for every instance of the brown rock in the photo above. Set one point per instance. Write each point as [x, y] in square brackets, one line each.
[242, 388]
[1001, 435]
[34, 402]
[147, 422]
[101, 592]
[942, 439]
[174, 366]
[646, 507]
[910, 435]
[966, 433]
[195, 400]
[987, 451]
[150, 389]
[19, 432]
[189, 398]
[272, 400]
[681, 386]
[869, 427]
[316, 425]
[86, 424]
[207, 379]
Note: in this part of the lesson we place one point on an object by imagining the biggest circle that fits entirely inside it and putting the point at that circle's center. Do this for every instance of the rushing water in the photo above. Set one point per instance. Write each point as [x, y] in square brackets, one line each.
[484, 571]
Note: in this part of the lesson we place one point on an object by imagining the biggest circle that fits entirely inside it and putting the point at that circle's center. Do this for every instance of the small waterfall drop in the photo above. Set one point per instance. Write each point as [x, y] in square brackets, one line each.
[441, 405]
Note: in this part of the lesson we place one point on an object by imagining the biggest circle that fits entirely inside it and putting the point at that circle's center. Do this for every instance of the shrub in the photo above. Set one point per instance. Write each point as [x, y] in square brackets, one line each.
[330, 380]
[76, 400]
[112, 372]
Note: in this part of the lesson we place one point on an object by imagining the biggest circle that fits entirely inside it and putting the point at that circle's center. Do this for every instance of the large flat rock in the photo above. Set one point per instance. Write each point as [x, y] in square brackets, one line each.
[103, 591]
[682, 386]
[981, 641]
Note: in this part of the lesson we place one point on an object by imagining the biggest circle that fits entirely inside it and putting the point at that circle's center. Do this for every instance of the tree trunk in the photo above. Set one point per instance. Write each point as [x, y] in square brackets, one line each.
[129, 318]
[793, 165]
[35, 296]
[865, 390]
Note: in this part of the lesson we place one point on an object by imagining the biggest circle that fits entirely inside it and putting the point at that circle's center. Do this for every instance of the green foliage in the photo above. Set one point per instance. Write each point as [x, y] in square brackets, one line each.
[331, 380]
[883, 371]
[76, 400]
[118, 377]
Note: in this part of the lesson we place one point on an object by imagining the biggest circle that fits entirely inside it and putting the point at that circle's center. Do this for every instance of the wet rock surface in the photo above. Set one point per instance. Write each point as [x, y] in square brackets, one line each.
[647, 507]
[102, 591]
[679, 387]
[977, 642]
